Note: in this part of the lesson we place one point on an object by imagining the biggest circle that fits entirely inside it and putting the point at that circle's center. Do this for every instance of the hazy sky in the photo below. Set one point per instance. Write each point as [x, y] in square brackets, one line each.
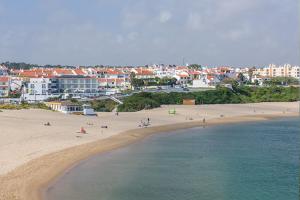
[136, 32]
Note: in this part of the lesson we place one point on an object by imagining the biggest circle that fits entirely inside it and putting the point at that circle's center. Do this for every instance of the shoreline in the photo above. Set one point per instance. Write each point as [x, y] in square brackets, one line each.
[31, 180]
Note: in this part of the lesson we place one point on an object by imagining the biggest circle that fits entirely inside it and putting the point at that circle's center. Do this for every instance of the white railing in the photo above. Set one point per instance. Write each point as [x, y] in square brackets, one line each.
[115, 99]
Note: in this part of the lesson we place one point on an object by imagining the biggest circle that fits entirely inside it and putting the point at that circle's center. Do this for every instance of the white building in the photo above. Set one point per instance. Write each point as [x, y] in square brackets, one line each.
[202, 82]
[65, 107]
[38, 89]
[183, 78]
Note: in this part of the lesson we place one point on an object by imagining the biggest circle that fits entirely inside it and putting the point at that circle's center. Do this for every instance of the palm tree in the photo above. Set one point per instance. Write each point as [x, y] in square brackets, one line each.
[132, 77]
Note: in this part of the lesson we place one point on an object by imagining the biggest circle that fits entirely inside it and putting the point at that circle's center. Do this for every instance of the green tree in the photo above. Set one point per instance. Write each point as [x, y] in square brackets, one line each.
[241, 78]
[195, 66]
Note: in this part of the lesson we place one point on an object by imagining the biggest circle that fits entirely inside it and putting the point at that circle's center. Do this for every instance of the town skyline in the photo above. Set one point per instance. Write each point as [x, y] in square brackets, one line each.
[131, 32]
[34, 65]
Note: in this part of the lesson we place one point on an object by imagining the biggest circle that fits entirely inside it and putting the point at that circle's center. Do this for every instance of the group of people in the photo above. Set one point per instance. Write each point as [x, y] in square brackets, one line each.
[47, 124]
[145, 123]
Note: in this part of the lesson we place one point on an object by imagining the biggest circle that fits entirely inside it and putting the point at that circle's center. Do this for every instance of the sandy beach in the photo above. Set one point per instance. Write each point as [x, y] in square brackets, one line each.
[32, 155]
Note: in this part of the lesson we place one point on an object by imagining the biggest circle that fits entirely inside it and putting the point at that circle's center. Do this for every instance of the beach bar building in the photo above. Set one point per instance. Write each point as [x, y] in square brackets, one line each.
[66, 107]
[189, 102]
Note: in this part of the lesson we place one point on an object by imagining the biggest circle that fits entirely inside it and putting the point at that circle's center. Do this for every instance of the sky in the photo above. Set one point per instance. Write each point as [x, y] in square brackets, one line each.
[139, 32]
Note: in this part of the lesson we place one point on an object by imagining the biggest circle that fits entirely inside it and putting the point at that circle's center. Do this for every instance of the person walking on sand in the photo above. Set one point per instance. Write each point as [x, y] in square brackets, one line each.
[203, 120]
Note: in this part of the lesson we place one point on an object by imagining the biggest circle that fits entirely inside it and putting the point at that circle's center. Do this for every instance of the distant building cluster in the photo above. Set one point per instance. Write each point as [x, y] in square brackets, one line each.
[39, 84]
[272, 70]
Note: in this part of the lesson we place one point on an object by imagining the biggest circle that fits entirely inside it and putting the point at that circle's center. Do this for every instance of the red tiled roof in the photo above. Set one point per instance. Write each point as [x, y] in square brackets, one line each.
[4, 79]
[63, 71]
[183, 75]
[79, 72]
[194, 72]
[144, 72]
[210, 77]
[114, 71]
[181, 67]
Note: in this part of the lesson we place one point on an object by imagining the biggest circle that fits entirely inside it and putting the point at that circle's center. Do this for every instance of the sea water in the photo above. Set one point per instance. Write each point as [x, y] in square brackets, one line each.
[248, 161]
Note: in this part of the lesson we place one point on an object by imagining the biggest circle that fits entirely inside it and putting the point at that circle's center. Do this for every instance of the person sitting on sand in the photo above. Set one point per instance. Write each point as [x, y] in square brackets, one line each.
[47, 124]
[82, 130]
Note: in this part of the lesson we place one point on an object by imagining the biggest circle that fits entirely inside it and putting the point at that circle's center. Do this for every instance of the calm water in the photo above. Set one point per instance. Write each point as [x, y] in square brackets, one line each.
[251, 161]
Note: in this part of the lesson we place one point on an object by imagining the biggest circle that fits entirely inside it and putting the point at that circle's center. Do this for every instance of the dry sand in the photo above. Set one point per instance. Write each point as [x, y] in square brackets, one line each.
[32, 155]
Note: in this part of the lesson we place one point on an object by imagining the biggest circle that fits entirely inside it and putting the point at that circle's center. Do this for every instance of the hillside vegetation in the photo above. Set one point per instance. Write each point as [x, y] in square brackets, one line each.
[221, 95]
[23, 106]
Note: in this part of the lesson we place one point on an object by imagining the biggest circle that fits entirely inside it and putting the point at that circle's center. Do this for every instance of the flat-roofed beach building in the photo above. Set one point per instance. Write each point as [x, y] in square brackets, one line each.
[65, 107]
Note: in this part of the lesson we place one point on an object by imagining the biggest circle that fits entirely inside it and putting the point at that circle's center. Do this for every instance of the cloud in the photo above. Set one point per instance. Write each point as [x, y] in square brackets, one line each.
[119, 39]
[139, 32]
[236, 34]
[1, 9]
[131, 20]
[231, 8]
[132, 35]
[194, 21]
[165, 16]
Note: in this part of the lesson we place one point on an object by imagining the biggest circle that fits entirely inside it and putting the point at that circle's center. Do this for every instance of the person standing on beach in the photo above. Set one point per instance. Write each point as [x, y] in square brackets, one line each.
[203, 122]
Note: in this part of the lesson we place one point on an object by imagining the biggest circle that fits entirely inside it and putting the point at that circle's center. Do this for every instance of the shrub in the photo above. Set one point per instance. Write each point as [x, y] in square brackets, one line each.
[221, 95]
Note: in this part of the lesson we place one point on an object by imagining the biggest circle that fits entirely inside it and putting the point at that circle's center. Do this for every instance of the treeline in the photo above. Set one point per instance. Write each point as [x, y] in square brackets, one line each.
[22, 65]
[153, 81]
[282, 81]
[221, 95]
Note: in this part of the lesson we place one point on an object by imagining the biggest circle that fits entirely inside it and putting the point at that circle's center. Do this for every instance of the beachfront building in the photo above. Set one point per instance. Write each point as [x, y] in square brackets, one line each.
[76, 85]
[42, 88]
[4, 86]
[65, 107]
[68, 107]
[38, 89]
